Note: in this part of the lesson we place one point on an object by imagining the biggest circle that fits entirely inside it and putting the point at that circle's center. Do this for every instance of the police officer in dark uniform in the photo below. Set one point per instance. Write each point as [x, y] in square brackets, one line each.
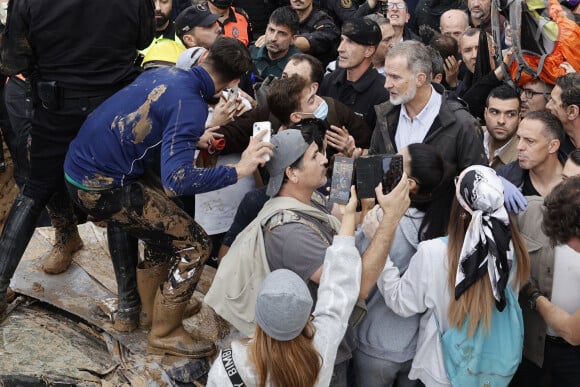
[318, 35]
[77, 53]
[343, 10]
[356, 83]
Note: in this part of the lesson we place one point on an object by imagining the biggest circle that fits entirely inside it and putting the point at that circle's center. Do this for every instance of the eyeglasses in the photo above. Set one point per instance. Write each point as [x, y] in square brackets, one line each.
[529, 93]
[396, 5]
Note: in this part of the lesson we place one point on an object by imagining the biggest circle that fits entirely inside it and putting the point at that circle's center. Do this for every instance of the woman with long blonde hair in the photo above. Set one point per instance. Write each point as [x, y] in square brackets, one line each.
[464, 276]
[292, 347]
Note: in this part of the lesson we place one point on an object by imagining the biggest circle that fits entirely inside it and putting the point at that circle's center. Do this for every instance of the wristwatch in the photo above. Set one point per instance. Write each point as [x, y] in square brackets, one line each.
[533, 298]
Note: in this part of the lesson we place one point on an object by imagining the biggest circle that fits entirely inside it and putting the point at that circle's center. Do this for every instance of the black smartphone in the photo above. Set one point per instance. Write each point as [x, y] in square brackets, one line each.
[368, 174]
[372, 170]
[342, 173]
[392, 172]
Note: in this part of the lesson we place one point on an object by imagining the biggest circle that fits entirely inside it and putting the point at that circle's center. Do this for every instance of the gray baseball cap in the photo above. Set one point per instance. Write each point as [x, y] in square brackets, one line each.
[289, 146]
[284, 305]
[190, 57]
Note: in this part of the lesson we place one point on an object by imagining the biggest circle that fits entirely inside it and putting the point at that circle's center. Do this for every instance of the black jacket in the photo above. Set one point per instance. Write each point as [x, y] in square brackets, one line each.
[361, 96]
[455, 133]
[322, 34]
[80, 44]
[237, 133]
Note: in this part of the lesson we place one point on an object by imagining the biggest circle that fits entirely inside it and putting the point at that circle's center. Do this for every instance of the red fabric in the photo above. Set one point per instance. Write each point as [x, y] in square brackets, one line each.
[566, 49]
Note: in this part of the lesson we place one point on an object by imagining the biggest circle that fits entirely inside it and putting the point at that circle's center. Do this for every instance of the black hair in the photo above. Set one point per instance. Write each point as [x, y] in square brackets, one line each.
[445, 45]
[229, 58]
[286, 16]
[284, 97]
[313, 131]
[575, 156]
[503, 92]
[317, 70]
[570, 85]
[553, 129]
[434, 177]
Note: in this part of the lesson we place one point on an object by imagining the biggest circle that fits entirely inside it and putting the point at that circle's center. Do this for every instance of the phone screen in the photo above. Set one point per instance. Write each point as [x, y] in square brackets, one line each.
[341, 180]
[392, 172]
[375, 169]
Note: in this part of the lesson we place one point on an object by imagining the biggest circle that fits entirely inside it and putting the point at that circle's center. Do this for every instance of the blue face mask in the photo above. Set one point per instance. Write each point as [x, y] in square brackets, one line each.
[321, 111]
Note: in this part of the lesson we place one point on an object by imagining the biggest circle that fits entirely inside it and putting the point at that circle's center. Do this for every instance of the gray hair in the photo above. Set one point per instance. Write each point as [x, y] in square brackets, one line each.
[417, 54]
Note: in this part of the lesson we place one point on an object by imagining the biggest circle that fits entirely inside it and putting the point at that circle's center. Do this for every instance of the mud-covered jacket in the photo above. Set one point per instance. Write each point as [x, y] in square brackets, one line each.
[156, 119]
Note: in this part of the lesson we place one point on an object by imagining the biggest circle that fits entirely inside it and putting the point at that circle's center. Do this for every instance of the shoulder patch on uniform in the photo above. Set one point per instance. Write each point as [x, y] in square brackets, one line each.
[346, 4]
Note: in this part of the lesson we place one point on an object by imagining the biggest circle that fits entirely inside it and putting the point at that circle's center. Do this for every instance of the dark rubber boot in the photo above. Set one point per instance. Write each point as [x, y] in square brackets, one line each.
[18, 230]
[124, 254]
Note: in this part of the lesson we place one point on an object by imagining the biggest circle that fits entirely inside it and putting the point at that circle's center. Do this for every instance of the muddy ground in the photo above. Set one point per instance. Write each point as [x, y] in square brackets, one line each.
[58, 331]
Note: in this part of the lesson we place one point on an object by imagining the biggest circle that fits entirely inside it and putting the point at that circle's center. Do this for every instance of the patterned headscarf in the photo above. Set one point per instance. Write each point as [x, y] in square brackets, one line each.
[486, 248]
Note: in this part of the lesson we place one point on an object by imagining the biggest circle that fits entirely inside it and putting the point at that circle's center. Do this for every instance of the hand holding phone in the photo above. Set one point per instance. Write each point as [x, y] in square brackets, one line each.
[341, 180]
[261, 126]
[372, 170]
[233, 93]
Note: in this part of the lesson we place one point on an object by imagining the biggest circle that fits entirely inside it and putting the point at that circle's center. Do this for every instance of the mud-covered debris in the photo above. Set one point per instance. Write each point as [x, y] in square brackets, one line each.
[189, 370]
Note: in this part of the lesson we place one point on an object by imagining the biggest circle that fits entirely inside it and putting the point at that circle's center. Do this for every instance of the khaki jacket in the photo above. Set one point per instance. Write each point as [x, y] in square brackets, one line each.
[542, 269]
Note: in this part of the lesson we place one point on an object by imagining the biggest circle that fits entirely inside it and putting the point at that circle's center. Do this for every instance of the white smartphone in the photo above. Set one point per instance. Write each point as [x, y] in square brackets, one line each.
[233, 93]
[261, 126]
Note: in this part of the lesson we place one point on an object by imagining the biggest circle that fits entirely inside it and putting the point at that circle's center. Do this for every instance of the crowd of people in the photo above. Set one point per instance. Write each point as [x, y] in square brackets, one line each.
[142, 114]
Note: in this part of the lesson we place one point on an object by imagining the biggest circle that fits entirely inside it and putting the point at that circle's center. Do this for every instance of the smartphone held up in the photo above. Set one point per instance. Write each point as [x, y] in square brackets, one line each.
[367, 172]
[263, 126]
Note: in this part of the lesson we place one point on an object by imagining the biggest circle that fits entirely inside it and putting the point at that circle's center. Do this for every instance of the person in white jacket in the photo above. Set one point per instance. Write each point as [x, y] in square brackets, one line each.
[439, 282]
[289, 347]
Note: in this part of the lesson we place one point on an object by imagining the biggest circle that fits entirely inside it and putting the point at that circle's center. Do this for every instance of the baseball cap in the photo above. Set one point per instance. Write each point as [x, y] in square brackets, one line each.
[362, 31]
[194, 16]
[191, 57]
[283, 305]
[289, 146]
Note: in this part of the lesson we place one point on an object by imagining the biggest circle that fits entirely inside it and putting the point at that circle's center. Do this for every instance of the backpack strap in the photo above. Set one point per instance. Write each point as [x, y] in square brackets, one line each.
[289, 216]
[230, 367]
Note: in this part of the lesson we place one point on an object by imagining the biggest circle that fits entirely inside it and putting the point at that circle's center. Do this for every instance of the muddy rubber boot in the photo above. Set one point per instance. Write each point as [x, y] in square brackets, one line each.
[168, 337]
[148, 281]
[18, 229]
[60, 257]
[124, 252]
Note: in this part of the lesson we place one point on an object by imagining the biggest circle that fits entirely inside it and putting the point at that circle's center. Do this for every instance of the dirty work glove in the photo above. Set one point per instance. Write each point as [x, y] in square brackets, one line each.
[531, 292]
[513, 198]
[261, 90]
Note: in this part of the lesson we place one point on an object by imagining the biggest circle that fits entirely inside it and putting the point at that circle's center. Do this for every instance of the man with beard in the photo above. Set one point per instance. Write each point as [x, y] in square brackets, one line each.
[196, 26]
[480, 13]
[416, 112]
[356, 83]
[502, 116]
[278, 43]
[164, 26]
